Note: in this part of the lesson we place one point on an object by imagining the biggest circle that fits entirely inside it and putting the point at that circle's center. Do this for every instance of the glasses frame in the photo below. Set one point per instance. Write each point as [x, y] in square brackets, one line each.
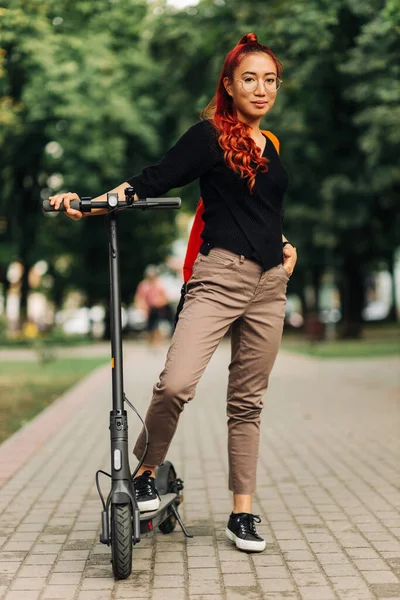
[258, 82]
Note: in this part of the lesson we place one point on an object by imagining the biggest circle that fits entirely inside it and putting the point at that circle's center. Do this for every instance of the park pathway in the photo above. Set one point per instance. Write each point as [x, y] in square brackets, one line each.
[328, 490]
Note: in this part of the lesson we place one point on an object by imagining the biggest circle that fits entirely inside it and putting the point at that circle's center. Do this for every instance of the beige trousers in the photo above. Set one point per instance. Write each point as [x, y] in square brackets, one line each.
[225, 290]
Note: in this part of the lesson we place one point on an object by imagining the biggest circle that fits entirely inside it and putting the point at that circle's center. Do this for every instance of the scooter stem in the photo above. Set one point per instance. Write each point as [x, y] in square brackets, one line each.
[120, 470]
[115, 316]
[122, 490]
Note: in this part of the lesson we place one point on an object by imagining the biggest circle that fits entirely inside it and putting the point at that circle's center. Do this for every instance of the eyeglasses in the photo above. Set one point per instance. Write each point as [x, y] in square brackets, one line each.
[250, 84]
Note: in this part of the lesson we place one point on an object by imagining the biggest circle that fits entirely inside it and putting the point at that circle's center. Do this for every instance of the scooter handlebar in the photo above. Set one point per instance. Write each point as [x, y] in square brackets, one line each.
[153, 203]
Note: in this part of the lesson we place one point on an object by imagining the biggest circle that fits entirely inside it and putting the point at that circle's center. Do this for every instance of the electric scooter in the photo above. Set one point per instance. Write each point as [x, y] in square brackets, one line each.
[121, 521]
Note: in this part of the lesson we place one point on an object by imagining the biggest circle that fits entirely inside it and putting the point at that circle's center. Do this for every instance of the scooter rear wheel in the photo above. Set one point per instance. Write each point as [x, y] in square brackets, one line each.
[121, 540]
[168, 525]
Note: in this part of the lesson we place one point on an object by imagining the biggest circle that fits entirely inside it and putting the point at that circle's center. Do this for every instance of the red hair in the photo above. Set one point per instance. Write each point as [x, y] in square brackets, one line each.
[240, 150]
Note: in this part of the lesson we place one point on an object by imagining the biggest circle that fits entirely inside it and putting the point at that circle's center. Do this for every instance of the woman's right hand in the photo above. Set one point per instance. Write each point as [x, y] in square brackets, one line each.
[75, 215]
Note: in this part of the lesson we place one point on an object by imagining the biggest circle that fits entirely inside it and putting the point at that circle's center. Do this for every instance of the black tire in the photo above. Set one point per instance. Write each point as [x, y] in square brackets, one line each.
[168, 525]
[165, 475]
[121, 540]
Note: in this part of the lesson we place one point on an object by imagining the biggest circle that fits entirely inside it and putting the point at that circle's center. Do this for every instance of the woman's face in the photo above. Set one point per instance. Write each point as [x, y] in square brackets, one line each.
[252, 106]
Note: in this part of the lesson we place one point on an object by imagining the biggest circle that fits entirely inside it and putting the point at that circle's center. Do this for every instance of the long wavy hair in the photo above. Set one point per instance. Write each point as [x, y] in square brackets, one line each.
[240, 150]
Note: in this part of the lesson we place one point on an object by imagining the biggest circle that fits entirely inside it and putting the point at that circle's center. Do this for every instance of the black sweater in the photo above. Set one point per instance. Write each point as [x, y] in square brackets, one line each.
[235, 219]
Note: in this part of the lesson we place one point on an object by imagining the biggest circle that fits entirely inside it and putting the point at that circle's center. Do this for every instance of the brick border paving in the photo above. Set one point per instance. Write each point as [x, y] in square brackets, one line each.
[15, 451]
[328, 491]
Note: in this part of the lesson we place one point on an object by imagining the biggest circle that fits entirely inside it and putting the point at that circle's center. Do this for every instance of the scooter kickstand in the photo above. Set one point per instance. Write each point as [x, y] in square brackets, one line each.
[178, 518]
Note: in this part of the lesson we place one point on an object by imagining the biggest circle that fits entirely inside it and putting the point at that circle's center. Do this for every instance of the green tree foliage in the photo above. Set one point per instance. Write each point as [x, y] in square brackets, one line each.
[95, 91]
[374, 67]
[337, 118]
[77, 113]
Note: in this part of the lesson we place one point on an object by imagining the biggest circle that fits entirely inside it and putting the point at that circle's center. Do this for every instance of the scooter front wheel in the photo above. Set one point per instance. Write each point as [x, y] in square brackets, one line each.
[121, 540]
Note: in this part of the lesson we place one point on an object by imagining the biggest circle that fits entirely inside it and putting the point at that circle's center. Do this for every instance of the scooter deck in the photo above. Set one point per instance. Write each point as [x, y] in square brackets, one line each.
[165, 501]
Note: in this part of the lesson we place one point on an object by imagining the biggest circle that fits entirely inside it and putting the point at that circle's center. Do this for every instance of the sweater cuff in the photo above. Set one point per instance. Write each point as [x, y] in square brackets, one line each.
[139, 188]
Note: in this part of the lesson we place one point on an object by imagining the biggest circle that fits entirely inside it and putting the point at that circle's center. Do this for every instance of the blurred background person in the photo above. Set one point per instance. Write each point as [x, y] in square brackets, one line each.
[152, 299]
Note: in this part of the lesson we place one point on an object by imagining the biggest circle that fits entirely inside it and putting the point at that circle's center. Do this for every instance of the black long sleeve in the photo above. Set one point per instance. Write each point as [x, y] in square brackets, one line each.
[191, 156]
[235, 219]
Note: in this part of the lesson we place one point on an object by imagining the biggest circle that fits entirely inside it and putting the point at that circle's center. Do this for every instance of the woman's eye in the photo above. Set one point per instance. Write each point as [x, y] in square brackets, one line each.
[270, 80]
[249, 79]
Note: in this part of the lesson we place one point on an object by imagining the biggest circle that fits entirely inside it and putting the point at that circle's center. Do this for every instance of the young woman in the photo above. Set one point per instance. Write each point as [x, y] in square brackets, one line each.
[238, 278]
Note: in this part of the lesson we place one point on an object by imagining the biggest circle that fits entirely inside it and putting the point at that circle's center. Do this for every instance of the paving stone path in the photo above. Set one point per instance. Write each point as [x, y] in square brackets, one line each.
[328, 490]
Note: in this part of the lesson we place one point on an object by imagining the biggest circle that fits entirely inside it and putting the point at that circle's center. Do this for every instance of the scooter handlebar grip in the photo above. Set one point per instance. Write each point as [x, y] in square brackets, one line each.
[47, 207]
[169, 202]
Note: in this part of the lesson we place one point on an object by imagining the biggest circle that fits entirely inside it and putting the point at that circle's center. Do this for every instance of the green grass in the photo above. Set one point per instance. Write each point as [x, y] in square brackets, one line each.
[345, 349]
[381, 331]
[26, 388]
[48, 340]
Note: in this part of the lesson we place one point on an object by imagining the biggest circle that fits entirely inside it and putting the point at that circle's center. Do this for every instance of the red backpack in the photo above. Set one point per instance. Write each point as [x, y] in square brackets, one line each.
[195, 239]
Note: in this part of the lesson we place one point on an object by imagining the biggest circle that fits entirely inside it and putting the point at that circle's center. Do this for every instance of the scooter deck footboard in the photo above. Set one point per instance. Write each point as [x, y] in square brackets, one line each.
[157, 516]
[165, 500]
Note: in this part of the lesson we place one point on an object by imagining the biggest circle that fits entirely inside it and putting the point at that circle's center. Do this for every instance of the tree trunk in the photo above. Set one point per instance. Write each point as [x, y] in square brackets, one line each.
[25, 220]
[303, 302]
[316, 280]
[352, 297]
[393, 316]
[5, 286]
[24, 292]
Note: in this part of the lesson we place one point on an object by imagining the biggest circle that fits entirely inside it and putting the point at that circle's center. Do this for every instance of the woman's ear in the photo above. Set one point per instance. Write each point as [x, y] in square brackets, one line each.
[227, 85]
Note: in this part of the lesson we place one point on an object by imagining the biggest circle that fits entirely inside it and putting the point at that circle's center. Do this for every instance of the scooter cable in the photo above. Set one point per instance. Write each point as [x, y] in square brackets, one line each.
[146, 447]
[98, 486]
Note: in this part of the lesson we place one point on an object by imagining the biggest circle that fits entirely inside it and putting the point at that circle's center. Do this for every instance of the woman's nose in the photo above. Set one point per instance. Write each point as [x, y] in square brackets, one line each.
[260, 89]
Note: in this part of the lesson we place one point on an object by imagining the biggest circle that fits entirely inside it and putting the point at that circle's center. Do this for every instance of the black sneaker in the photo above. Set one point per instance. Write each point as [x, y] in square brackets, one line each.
[242, 532]
[146, 494]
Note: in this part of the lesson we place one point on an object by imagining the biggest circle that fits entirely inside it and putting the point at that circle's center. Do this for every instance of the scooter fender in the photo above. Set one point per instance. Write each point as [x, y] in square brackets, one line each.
[122, 492]
[121, 498]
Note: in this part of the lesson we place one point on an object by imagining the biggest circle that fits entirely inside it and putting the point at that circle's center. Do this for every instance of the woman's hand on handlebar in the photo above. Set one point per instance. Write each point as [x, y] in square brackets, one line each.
[75, 215]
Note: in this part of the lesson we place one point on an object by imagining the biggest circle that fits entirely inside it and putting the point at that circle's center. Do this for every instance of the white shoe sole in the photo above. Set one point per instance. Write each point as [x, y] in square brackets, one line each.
[245, 544]
[149, 505]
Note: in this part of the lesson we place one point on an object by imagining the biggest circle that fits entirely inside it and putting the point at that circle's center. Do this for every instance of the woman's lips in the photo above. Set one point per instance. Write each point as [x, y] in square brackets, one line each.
[261, 103]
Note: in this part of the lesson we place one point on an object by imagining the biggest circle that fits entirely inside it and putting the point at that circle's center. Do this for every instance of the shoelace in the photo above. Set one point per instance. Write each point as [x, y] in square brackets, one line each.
[246, 523]
[145, 486]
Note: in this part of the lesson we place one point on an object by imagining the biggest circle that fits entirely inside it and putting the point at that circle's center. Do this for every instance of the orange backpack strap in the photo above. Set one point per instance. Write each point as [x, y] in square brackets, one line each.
[195, 239]
[273, 139]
